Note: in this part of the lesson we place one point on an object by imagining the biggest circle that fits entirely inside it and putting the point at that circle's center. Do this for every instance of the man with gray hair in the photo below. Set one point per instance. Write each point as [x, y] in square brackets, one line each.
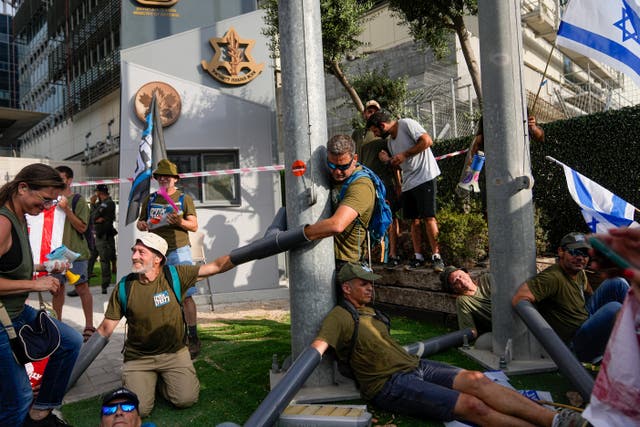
[150, 298]
[351, 213]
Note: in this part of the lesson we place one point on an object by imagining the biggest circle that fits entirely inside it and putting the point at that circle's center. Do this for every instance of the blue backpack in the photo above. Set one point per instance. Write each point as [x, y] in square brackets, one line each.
[382, 216]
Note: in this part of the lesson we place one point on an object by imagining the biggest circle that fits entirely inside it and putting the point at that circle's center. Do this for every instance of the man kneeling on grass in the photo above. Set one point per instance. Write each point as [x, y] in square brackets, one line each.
[396, 381]
[155, 345]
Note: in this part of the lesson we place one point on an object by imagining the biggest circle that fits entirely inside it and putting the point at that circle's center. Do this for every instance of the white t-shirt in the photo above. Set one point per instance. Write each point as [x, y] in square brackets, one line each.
[417, 169]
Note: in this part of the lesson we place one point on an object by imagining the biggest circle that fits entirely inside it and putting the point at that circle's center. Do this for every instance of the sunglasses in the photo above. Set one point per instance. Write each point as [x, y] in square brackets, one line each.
[111, 409]
[578, 252]
[342, 168]
[46, 202]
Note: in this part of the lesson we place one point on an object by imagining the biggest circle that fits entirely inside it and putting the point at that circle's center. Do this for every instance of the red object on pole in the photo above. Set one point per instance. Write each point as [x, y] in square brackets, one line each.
[298, 168]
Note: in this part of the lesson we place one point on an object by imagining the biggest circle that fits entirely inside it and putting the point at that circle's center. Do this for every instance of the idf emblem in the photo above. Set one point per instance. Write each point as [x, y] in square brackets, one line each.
[232, 62]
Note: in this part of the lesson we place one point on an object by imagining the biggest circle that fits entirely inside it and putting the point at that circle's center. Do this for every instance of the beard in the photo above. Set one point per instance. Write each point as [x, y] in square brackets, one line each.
[141, 267]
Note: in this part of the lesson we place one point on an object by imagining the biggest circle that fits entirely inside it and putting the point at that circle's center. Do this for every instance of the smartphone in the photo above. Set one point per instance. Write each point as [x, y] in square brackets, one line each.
[603, 250]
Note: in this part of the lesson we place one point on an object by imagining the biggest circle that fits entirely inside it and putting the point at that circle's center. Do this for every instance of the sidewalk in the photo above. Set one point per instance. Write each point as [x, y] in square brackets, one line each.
[104, 374]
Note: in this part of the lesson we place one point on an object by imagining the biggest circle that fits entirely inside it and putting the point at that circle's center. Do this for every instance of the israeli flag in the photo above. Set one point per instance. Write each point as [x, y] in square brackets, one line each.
[605, 30]
[601, 209]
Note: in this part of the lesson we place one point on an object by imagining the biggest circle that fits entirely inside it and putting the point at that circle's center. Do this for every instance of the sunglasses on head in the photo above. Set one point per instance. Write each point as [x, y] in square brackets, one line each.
[342, 168]
[111, 409]
[580, 251]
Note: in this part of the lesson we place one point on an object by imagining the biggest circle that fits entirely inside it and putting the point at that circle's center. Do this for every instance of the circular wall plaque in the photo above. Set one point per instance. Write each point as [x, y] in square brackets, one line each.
[169, 102]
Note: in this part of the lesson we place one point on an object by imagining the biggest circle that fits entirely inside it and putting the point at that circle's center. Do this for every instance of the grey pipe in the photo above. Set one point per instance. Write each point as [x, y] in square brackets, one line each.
[434, 345]
[88, 353]
[567, 362]
[279, 397]
[269, 245]
[278, 224]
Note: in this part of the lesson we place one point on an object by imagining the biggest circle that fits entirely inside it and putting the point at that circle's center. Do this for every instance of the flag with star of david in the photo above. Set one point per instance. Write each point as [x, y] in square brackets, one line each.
[605, 30]
[601, 209]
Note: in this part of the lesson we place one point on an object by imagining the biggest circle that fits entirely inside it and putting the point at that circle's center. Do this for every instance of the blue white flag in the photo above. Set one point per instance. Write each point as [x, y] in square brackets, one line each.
[602, 210]
[605, 30]
[150, 150]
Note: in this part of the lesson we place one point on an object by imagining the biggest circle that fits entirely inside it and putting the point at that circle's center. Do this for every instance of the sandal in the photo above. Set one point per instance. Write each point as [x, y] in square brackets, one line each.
[86, 334]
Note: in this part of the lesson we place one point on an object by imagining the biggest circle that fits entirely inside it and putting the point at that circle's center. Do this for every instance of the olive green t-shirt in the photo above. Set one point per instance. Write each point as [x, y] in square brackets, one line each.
[175, 235]
[560, 300]
[360, 196]
[376, 355]
[154, 318]
[369, 158]
[474, 311]
[21, 259]
[71, 238]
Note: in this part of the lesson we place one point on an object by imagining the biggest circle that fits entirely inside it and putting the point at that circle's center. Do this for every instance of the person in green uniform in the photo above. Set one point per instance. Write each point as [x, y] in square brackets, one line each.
[155, 343]
[473, 300]
[352, 214]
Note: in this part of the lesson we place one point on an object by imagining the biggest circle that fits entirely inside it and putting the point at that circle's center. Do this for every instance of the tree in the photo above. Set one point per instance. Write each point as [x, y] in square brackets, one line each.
[431, 22]
[341, 25]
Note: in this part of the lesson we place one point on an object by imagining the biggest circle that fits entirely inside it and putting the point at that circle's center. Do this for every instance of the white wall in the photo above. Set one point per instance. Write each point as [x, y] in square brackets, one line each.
[212, 117]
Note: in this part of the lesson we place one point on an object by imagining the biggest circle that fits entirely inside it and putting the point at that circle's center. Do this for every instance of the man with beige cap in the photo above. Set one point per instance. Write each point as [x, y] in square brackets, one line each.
[155, 344]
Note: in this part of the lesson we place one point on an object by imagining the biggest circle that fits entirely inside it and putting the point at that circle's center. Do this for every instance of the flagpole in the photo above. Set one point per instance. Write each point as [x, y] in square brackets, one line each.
[544, 74]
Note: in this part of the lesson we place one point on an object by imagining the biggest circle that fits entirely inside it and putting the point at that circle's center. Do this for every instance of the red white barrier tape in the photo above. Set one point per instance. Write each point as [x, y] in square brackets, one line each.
[187, 175]
[272, 168]
[455, 153]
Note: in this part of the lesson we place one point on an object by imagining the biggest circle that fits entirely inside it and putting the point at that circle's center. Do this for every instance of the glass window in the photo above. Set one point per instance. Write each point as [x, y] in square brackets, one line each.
[223, 190]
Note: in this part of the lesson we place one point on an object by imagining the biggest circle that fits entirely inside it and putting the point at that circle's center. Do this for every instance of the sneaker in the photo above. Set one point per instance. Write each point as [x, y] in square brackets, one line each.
[569, 418]
[72, 293]
[437, 263]
[392, 263]
[49, 421]
[414, 263]
[194, 347]
[104, 289]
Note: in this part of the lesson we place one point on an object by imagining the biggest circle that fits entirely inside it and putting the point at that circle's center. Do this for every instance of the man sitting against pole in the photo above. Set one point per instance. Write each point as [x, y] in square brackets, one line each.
[155, 344]
[396, 381]
[473, 300]
[583, 319]
[352, 214]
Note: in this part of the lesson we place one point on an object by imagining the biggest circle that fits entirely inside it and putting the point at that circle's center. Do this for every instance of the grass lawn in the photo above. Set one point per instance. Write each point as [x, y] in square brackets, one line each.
[233, 370]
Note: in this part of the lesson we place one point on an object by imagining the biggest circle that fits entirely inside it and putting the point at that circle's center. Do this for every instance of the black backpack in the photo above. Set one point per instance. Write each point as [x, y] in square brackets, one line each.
[89, 234]
[344, 365]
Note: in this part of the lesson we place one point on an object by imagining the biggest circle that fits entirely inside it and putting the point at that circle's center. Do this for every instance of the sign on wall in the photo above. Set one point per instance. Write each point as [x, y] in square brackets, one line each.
[232, 62]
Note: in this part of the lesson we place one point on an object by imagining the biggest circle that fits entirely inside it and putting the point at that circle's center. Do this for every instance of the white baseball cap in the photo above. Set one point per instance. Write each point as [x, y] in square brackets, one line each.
[155, 242]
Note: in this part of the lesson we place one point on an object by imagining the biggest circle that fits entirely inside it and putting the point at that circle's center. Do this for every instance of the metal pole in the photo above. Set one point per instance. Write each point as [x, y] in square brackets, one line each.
[433, 117]
[508, 171]
[305, 135]
[453, 109]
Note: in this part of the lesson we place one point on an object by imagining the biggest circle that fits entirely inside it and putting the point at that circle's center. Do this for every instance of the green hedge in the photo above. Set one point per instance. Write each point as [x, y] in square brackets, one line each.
[604, 147]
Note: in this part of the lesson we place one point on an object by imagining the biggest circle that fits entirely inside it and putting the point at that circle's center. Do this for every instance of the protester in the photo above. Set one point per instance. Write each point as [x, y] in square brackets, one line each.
[352, 214]
[158, 216]
[104, 214]
[613, 401]
[35, 188]
[410, 147]
[583, 319]
[77, 213]
[120, 407]
[473, 300]
[155, 343]
[396, 381]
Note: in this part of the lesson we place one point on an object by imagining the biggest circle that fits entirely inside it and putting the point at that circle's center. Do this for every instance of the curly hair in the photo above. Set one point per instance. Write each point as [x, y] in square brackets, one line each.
[36, 176]
[341, 144]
